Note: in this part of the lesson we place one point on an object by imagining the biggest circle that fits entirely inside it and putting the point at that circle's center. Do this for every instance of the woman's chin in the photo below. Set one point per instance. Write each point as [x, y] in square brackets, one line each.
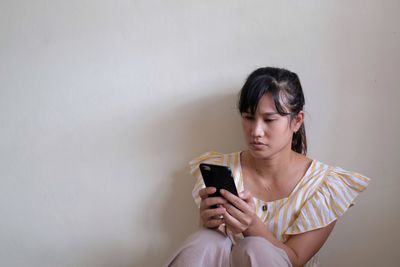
[259, 153]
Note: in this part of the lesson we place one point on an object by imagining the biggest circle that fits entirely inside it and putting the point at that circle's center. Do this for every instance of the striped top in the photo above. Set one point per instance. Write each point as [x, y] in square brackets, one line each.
[322, 195]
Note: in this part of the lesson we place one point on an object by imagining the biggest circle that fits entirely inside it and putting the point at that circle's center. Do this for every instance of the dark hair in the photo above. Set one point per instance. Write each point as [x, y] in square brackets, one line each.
[286, 92]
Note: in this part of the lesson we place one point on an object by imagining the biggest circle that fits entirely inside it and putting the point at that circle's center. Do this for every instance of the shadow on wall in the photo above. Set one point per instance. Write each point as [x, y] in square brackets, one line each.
[195, 127]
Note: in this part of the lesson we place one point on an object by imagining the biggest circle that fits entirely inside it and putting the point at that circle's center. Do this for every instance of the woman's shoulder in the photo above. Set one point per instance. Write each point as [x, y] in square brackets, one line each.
[326, 193]
[332, 180]
[349, 180]
[214, 157]
[206, 156]
[332, 173]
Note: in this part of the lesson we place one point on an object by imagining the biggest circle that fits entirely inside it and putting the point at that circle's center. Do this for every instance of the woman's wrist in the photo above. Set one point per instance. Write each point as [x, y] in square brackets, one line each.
[256, 228]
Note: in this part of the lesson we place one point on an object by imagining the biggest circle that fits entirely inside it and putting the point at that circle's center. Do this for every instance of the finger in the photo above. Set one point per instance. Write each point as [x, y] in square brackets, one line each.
[204, 192]
[211, 201]
[236, 201]
[243, 218]
[246, 196]
[233, 223]
[214, 223]
[213, 213]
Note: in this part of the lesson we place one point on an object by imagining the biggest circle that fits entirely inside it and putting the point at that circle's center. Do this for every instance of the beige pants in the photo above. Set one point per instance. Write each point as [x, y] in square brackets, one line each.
[212, 249]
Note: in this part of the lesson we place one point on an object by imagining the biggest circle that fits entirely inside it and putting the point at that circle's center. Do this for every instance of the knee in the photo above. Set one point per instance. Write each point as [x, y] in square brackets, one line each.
[259, 250]
[253, 245]
[203, 248]
[207, 238]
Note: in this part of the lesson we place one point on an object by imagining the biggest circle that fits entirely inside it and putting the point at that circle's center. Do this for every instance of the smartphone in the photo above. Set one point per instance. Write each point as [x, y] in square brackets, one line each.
[219, 177]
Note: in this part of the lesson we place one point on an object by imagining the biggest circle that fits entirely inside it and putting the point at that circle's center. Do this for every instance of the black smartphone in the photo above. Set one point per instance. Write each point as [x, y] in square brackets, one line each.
[219, 177]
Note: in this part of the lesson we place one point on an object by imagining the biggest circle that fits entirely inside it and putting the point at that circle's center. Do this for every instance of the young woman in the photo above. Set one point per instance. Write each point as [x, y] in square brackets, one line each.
[288, 203]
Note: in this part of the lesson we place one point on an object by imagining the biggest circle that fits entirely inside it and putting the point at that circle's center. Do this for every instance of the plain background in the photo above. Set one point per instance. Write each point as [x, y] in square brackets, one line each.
[103, 103]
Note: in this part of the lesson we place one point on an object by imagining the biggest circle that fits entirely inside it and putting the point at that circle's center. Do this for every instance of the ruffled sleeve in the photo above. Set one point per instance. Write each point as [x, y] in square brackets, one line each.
[209, 157]
[333, 197]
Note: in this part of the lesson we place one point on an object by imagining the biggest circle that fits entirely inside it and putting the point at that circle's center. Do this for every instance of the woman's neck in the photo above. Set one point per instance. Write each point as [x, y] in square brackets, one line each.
[272, 168]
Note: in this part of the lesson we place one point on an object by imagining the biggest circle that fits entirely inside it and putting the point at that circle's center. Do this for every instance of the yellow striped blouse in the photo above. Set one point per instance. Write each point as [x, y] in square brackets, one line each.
[322, 195]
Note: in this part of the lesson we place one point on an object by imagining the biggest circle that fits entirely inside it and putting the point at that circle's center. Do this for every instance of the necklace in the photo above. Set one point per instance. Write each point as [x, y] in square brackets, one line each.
[258, 181]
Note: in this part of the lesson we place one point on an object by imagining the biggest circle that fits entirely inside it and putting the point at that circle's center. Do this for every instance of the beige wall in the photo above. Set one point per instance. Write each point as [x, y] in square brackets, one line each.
[103, 103]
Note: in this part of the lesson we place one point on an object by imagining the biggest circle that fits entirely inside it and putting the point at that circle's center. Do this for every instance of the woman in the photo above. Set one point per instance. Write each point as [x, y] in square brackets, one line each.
[288, 204]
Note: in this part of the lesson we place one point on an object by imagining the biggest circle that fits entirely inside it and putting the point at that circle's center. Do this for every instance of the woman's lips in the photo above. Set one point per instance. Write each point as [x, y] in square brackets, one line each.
[257, 145]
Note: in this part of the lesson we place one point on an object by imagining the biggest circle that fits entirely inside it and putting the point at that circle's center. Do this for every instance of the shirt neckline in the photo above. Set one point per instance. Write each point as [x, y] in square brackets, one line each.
[241, 182]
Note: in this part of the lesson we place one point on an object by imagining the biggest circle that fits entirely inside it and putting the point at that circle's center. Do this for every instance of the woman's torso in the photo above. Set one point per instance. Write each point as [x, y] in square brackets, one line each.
[273, 187]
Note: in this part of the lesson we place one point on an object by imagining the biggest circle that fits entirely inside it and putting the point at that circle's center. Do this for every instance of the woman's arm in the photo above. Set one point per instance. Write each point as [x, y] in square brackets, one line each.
[299, 248]
[240, 217]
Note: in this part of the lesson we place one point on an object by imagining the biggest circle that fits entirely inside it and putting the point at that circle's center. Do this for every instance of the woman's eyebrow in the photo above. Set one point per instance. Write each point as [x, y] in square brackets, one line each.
[269, 113]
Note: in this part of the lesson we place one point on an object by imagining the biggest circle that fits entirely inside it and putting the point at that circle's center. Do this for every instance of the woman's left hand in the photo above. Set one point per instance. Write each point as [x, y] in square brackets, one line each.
[240, 211]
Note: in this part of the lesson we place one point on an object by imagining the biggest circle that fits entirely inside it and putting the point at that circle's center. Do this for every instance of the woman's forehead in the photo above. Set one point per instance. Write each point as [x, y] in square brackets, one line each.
[266, 105]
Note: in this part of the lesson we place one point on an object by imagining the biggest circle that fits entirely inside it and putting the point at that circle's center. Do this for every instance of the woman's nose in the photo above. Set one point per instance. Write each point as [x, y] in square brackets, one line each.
[257, 130]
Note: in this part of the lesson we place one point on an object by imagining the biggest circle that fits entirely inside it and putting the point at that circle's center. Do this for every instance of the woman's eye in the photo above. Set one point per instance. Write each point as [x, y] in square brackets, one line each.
[247, 117]
[268, 120]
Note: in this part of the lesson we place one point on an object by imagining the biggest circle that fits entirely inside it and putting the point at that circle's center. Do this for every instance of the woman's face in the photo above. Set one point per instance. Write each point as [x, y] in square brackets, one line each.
[268, 133]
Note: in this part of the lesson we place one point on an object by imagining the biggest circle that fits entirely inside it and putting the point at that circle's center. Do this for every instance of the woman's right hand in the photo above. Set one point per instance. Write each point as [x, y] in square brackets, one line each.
[211, 217]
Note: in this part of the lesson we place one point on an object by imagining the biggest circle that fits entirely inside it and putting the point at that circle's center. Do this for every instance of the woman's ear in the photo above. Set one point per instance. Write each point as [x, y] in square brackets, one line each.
[297, 121]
